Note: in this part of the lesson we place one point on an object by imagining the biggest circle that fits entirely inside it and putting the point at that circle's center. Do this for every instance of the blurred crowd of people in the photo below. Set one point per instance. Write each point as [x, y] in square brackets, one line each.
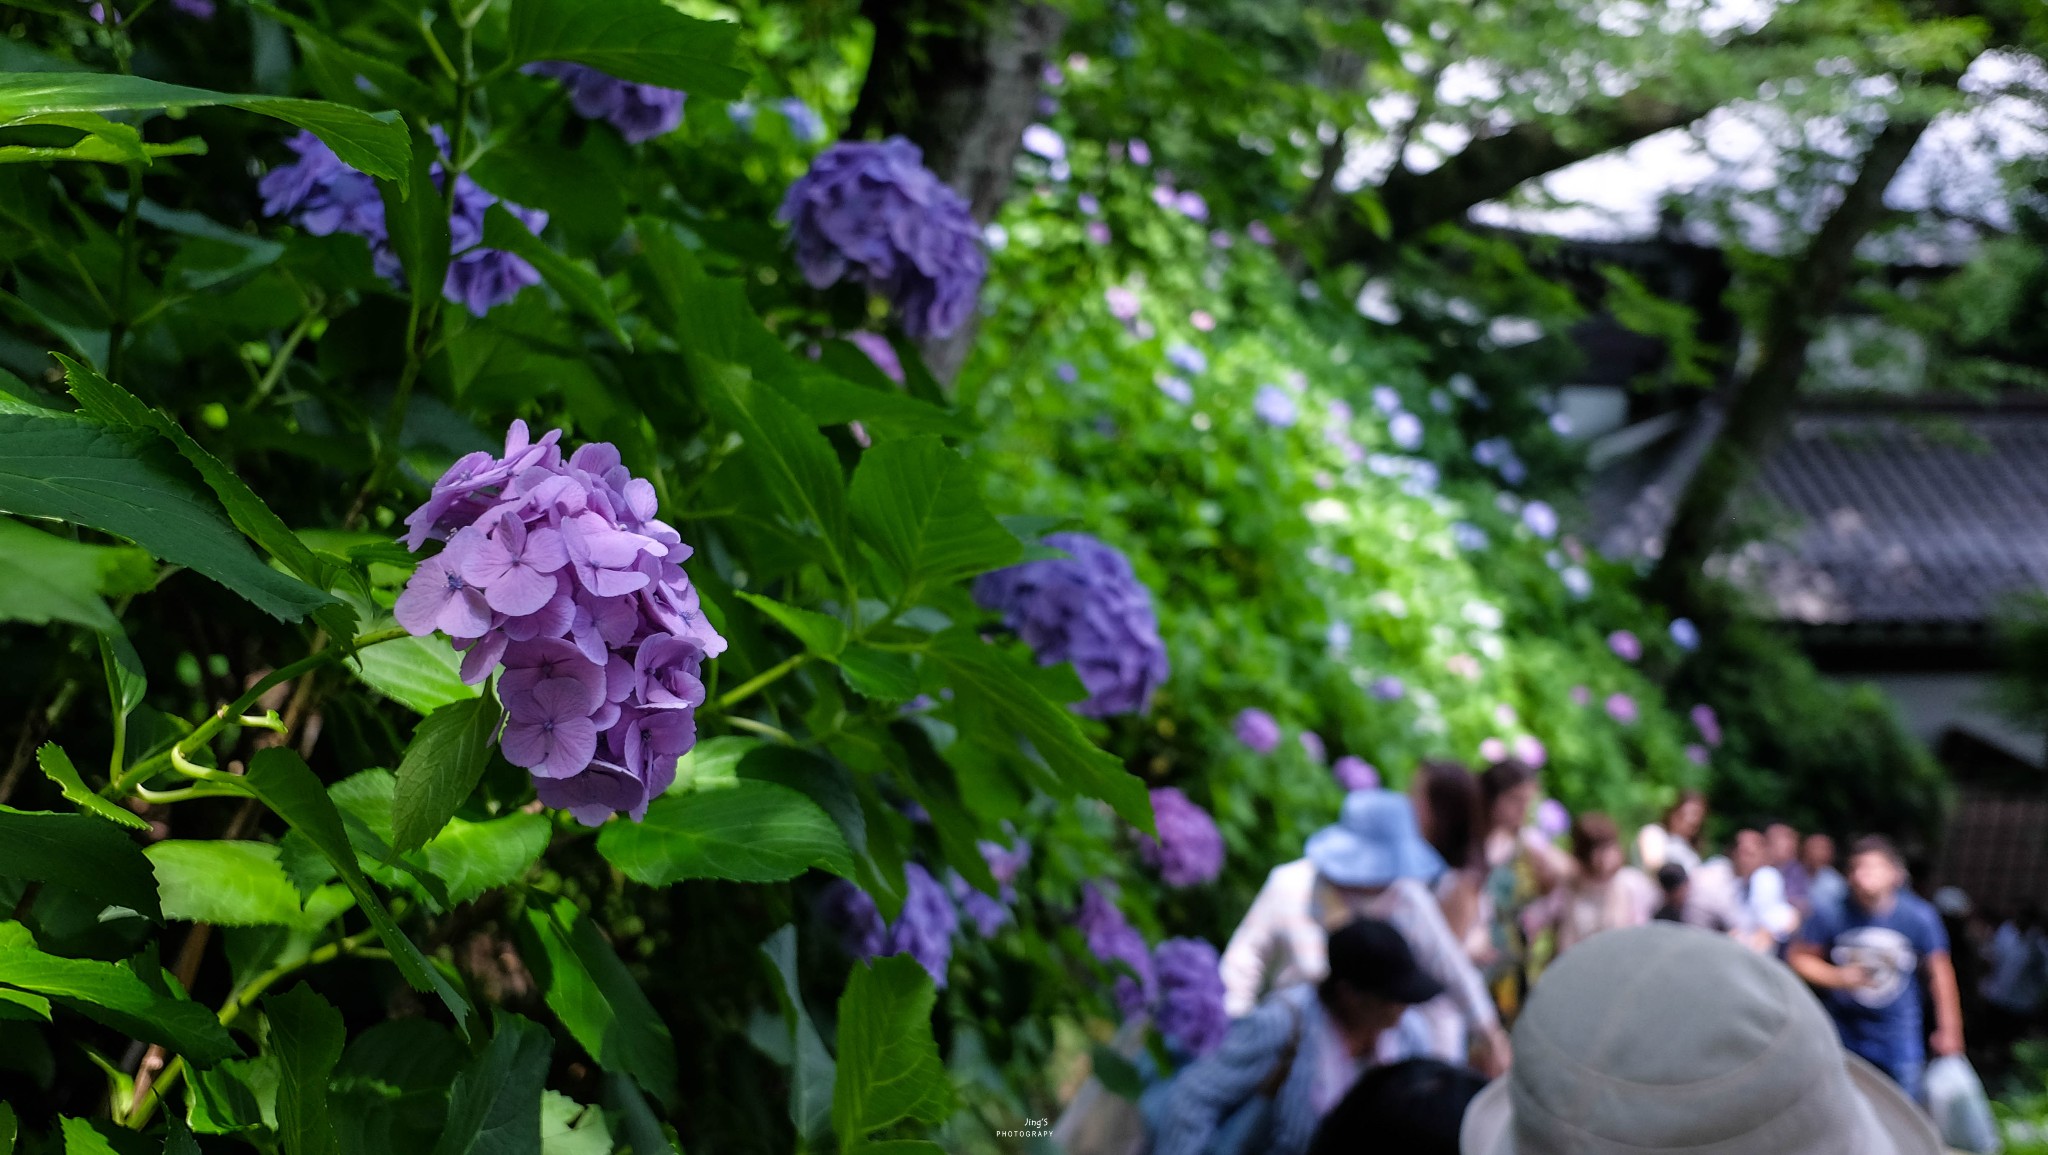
[1372, 983]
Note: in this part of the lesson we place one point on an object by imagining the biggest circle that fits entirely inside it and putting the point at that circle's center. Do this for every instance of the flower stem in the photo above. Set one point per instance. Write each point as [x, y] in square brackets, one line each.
[760, 681]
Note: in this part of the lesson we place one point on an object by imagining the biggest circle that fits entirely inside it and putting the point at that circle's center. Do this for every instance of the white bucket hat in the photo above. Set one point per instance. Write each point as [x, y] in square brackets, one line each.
[1666, 1038]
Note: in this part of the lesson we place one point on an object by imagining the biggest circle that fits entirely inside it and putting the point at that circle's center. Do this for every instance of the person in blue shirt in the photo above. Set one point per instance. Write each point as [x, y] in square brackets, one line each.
[1868, 955]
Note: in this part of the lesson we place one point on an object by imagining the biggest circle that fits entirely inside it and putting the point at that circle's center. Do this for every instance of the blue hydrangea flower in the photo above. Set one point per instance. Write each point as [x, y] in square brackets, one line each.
[1187, 359]
[804, 122]
[1087, 608]
[324, 196]
[639, 111]
[923, 930]
[1257, 729]
[1189, 849]
[1405, 429]
[874, 213]
[990, 913]
[1685, 635]
[1541, 519]
[1112, 939]
[1275, 406]
[1190, 1011]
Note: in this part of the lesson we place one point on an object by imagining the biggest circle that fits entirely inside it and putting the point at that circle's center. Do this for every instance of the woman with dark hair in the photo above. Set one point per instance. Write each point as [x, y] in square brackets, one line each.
[1450, 806]
[1677, 838]
[1521, 864]
[1605, 892]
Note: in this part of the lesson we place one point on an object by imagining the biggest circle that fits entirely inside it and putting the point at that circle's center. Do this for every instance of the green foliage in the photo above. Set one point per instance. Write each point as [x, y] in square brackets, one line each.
[888, 1069]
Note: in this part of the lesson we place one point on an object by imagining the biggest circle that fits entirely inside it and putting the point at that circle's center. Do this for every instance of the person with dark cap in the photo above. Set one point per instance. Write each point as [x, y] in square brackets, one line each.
[1286, 1065]
[1414, 1107]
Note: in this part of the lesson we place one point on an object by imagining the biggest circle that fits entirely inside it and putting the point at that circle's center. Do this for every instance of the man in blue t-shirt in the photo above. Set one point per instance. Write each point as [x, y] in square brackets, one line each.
[1867, 955]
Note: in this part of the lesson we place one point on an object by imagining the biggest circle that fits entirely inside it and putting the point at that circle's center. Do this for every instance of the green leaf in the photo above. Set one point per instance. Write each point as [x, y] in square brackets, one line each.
[391, 1087]
[80, 852]
[21, 1005]
[811, 1069]
[824, 782]
[796, 462]
[987, 679]
[571, 1128]
[419, 228]
[918, 504]
[56, 766]
[821, 634]
[833, 400]
[889, 1067]
[50, 579]
[225, 883]
[581, 288]
[644, 41]
[281, 779]
[473, 857]
[879, 675]
[441, 766]
[10, 1128]
[306, 1035]
[594, 995]
[374, 143]
[123, 482]
[421, 674]
[494, 1107]
[1119, 1076]
[747, 832]
[113, 994]
[126, 681]
[178, 1138]
[82, 1138]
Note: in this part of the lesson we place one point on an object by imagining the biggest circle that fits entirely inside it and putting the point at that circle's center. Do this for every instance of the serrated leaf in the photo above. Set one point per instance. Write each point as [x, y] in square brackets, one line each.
[879, 675]
[113, 994]
[595, 996]
[281, 779]
[114, 480]
[473, 857]
[821, 634]
[794, 459]
[50, 579]
[441, 766]
[917, 503]
[421, 674]
[494, 1107]
[57, 767]
[83, 853]
[985, 674]
[581, 288]
[748, 832]
[823, 782]
[81, 1138]
[306, 1035]
[643, 41]
[418, 226]
[226, 883]
[374, 143]
[888, 1063]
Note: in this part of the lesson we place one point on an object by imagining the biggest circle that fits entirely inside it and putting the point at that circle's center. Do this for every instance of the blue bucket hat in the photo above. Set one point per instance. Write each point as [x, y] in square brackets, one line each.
[1373, 842]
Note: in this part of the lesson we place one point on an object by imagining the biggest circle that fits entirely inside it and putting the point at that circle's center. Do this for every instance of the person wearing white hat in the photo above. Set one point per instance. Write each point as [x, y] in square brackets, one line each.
[1667, 1038]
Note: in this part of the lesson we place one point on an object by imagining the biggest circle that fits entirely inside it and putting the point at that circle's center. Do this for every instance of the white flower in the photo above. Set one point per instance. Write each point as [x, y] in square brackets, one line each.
[1508, 332]
[1484, 615]
[1040, 140]
[1577, 582]
[1376, 302]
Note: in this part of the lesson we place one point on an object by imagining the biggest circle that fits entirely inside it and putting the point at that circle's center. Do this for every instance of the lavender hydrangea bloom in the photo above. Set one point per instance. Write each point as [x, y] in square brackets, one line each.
[1685, 635]
[1089, 609]
[1622, 709]
[1707, 723]
[558, 572]
[1189, 849]
[805, 125]
[1388, 689]
[990, 913]
[1355, 773]
[1312, 745]
[324, 196]
[1552, 818]
[1190, 1013]
[1187, 359]
[1257, 729]
[1405, 429]
[849, 910]
[1531, 750]
[1625, 645]
[925, 928]
[1698, 755]
[1275, 406]
[873, 212]
[1114, 940]
[1541, 519]
[639, 111]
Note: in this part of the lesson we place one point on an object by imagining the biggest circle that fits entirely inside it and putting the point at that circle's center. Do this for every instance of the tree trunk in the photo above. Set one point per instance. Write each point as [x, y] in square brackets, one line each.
[961, 80]
[1760, 402]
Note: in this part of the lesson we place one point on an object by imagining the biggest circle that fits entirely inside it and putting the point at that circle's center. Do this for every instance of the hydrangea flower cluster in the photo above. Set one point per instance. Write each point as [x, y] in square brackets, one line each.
[639, 111]
[1355, 773]
[1313, 746]
[1257, 729]
[1552, 818]
[990, 913]
[1622, 709]
[1189, 849]
[1625, 645]
[1190, 1009]
[1707, 723]
[1087, 608]
[324, 196]
[1275, 406]
[923, 930]
[557, 572]
[1684, 634]
[873, 212]
[1111, 938]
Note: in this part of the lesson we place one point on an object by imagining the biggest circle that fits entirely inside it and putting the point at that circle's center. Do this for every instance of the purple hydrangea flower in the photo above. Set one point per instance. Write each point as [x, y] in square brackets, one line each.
[1707, 723]
[924, 930]
[324, 196]
[1552, 818]
[849, 910]
[990, 913]
[1176, 388]
[1541, 519]
[1275, 406]
[1698, 755]
[1187, 359]
[1530, 749]
[1190, 1012]
[1122, 302]
[1087, 608]
[1257, 729]
[1577, 582]
[1625, 645]
[1042, 141]
[639, 111]
[558, 572]
[805, 125]
[1355, 773]
[1388, 689]
[873, 212]
[1581, 696]
[1259, 233]
[1097, 232]
[1189, 849]
[1685, 635]
[879, 351]
[1191, 205]
[1493, 750]
[1312, 745]
[1622, 709]
[1405, 429]
[1113, 940]
[1141, 153]
[1468, 537]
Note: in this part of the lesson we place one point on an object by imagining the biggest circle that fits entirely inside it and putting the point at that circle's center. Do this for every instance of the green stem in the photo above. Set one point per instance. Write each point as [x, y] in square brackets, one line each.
[760, 681]
[183, 749]
[118, 332]
[282, 359]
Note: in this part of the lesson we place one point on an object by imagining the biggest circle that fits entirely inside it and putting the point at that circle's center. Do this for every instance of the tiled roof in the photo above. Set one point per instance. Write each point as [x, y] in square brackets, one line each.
[1903, 518]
